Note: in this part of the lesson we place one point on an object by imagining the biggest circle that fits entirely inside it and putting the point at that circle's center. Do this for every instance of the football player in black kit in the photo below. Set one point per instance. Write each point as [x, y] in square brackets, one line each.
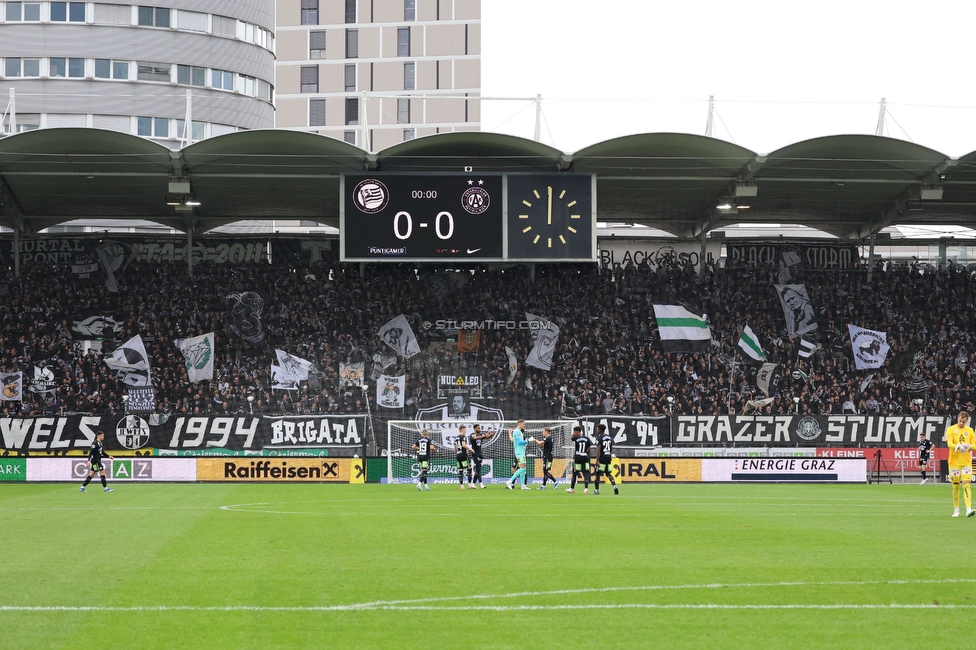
[461, 454]
[547, 456]
[581, 459]
[924, 451]
[95, 453]
[604, 453]
[423, 449]
[474, 455]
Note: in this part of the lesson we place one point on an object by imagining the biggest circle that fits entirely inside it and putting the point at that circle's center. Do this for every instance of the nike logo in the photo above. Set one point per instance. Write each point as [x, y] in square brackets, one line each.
[473, 250]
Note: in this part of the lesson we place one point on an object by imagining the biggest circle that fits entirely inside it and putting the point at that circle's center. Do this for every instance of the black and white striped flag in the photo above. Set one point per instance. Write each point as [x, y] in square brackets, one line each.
[807, 348]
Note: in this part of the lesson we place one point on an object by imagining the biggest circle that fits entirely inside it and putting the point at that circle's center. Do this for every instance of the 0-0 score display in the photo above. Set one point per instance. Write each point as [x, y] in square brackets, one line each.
[421, 217]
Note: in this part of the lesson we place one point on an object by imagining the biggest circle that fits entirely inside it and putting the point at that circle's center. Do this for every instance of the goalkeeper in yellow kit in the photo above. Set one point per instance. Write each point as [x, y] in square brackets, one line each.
[961, 440]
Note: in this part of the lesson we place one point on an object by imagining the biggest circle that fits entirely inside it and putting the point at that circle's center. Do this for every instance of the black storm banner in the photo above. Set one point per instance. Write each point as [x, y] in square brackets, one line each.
[340, 435]
[798, 256]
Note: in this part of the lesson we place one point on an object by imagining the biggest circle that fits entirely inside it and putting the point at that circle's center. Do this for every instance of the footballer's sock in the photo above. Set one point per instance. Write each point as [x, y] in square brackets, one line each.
[955, 496]
[586, 479]
[967, 494]
[924, 477]
[596, 479]
[461, 476]
[104, 484]
[87, 481]
[610, 478]
[572, 484]
[517, 475]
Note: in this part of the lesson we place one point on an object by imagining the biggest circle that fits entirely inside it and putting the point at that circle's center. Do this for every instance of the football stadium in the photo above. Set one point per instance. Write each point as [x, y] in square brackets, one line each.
[272, 388]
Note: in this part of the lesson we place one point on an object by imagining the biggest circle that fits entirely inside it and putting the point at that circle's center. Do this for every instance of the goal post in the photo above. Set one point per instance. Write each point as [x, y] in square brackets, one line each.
[402, 465]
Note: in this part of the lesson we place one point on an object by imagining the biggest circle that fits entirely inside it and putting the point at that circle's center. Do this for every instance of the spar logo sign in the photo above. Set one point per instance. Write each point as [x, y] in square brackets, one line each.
[132, 432]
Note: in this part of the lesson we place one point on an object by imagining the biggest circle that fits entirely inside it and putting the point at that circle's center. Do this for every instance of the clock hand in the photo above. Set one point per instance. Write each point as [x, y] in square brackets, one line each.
[550, 205]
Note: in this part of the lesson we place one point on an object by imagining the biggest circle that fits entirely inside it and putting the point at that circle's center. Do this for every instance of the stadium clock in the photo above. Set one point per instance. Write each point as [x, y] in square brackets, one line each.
[393, 217]
[551, 217]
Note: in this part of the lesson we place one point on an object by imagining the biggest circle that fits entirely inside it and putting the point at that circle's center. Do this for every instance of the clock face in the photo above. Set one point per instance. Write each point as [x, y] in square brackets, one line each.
[550, 217]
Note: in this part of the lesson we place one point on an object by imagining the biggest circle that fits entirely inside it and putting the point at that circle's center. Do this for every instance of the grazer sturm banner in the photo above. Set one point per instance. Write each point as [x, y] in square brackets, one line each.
[649, 431]
[341, 435]
[644, 470]
[784, 470]
[239, 470]
[807, 430]
[129, 469]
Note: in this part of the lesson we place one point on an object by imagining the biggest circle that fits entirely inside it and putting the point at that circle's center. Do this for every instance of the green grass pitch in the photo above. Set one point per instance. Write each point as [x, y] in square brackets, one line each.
[375, 566]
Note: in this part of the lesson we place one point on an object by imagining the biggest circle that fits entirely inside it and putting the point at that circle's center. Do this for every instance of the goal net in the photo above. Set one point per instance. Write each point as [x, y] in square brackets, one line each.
[402, 465]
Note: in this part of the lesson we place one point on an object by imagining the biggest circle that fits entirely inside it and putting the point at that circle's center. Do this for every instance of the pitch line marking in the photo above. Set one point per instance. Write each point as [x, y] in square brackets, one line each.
[426, 604]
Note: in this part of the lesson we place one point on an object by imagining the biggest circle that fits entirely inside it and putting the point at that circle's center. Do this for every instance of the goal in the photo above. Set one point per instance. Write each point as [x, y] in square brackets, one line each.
[402, 465]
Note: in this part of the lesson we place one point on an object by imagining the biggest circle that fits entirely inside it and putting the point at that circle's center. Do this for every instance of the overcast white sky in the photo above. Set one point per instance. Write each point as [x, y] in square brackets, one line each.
[781, 71]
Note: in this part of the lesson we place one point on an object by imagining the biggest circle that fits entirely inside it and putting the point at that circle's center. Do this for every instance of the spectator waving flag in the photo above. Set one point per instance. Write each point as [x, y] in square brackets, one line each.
[292, 366]
[198, 355]
[750, 344]
[870, 347]
[767, 379]
[398, 335]
[681, 331]
[545, 334]
[807, 348]
[390, 391]
[130, 363]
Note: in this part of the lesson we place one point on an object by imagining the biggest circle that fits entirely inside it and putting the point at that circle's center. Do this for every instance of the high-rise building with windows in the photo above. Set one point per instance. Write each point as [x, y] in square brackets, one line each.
[377, 72]
[138, 69]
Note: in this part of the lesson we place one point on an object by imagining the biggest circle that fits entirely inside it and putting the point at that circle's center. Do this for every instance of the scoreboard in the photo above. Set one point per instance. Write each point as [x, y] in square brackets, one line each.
[467, 217]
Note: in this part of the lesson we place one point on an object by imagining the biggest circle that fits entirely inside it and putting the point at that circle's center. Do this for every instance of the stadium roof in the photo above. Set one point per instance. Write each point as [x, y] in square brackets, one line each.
[850, 186]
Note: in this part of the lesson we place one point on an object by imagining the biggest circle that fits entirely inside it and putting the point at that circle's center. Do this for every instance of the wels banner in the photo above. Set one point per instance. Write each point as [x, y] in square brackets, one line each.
[340, 470]
[340, 435]
[651, 431]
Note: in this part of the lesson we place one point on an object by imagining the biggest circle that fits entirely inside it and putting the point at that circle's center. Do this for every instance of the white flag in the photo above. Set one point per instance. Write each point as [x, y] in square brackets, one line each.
[512, 365]
[807, 348]
[390, 391]
[750, 344]
[13, 386]
[130, 362]
[398, 335]
[545, 334]
[281, 380]
[680, 330]
[198, 356]
[797, 309]
[870, 347]
[294, 367]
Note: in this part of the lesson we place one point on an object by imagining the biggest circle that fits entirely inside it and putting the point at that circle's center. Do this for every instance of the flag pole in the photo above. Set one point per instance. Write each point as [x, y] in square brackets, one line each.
[728, 404]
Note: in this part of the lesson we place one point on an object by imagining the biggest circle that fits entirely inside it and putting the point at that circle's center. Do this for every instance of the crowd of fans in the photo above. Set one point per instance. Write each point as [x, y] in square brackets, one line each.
[608, 359]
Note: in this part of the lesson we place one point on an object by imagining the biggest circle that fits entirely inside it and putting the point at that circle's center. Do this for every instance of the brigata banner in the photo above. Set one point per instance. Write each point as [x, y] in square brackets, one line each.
[247, 470]
[338, 435]
[642, 470]
[13, 469]
[129, 469]
[651, 431]
[783, 470]
[807, 430]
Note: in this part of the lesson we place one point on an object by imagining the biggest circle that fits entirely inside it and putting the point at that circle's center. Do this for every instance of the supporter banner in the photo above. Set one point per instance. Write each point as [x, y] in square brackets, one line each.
[639, 470]
[13, 470]
[616, 253]
[807, 430]
[650, 431]
[219, 452]
[895, 459]
[134, 469]
[340, 470]
[792, 256]
[784, 470]
[342, 435]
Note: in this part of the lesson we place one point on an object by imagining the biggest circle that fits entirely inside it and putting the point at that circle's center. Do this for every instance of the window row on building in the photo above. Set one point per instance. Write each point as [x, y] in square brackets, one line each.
[184, 75]
[317, 43]
[135, 15]
[310, 11]
[310, 78]
[159, 128]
